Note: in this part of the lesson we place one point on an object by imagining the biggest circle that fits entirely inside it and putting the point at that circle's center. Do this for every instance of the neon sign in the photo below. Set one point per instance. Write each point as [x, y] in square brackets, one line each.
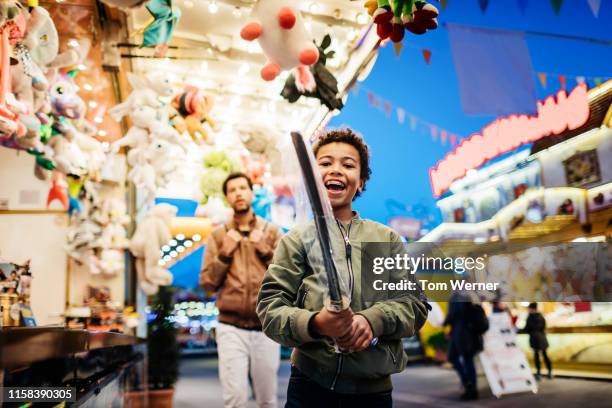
[554, 116]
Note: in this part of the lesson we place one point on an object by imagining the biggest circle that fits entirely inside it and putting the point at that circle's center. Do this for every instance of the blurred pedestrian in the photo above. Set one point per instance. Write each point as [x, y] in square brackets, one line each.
[468, 323]
[236, 259]
[535, 327]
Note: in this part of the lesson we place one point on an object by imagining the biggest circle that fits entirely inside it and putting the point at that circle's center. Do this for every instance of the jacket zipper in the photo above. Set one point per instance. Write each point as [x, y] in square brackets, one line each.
[392, 355]
[348, 248]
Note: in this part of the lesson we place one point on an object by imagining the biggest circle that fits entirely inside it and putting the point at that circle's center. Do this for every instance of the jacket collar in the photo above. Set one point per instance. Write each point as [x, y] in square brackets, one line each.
[255, 222]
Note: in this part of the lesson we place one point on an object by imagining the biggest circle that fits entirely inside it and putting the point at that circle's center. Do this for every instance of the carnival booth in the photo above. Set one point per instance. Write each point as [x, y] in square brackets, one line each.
[120, 121]
[538, 213]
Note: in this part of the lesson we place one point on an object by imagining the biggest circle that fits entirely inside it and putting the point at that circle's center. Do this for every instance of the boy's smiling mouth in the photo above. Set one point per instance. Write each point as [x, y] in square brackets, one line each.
[335, 186]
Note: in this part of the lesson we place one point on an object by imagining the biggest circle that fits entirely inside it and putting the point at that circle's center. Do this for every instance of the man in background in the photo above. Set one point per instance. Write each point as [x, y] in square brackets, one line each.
[237, 256]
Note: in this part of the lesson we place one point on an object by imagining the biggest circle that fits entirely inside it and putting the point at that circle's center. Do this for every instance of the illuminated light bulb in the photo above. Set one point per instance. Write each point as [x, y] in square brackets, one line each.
[180, 237]
[167, 258]
[204, 65]
[213, 7]
[81, 67]
[161, 262]
[188, 3]
[188, 244]
[98, 119]
[93, 104]
[237, 12]
[72, 43]
[102, 133]
[165, 248]
[172, 242]
[362, 18]
[196, 237]
[180, 249]
[173, 254]
[88, 87]
[314, 8]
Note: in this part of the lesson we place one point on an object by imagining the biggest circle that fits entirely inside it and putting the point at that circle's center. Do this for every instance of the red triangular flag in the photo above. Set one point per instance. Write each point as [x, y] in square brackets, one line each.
[557, 5]
[483, 5]
[427, 55]
[562, 79]
[453, 139]
[542, 77]
[387, 108]
[371, 98]
[434, 132]
[443, 135]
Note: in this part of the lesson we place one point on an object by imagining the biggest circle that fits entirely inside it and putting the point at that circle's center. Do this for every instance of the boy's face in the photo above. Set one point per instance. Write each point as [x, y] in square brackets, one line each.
[239, 195]
[340, 168]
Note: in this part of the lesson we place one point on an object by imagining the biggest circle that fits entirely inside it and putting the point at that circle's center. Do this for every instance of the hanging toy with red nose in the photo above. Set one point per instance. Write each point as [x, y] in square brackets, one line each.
[392, 17]
[280, 30]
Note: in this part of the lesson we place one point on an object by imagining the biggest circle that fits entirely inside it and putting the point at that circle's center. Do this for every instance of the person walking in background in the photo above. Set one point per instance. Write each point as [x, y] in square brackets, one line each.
[237, 256]
[468, 323]
[535, 327]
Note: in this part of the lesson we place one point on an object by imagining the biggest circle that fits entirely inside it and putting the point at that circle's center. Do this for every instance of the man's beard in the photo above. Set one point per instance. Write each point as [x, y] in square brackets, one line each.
[242, 211]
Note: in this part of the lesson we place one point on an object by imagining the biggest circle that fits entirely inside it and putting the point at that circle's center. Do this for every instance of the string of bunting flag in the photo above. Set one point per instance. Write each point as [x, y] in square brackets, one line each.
[436, 132]
[594, 5]
[563, 78]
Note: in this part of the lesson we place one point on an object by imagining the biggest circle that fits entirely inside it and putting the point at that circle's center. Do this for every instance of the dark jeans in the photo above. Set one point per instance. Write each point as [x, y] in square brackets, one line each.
[305, 393]
[536, 355]
[464, 365]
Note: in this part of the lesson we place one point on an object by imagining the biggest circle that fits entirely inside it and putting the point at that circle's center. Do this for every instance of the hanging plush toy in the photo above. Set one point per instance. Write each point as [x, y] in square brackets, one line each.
[151, 234]
[263, 140]
[326, 89]
[158, 31]
[193, 108]
[58, 191]
[280, 30]
[146, 91]
[217, 166]
[392, 17]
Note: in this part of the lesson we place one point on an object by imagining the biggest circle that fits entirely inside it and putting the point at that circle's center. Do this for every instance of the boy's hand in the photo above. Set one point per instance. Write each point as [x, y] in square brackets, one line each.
[359, 337]
[332, 324]
[230, 243]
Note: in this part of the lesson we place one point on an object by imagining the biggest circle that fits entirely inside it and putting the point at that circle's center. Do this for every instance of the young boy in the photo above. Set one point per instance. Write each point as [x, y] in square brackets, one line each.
[291, 301]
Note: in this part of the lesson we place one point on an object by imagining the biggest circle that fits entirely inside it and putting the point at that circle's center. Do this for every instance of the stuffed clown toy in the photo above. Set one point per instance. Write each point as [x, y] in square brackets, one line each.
[282, 35]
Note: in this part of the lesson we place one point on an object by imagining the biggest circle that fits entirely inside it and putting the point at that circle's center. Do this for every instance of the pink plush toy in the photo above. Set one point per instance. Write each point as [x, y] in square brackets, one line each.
[279, 27]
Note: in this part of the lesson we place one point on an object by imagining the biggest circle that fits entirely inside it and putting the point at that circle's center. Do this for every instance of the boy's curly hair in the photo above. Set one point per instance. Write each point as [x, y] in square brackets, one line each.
[346, 135]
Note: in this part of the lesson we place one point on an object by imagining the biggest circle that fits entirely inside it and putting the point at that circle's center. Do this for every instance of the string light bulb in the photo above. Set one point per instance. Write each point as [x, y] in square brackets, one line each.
[213, 7]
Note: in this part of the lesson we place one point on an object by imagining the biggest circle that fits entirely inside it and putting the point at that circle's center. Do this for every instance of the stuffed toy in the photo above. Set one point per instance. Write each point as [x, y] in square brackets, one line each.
[216, 210]
[158, 31]
[152, 233]
[326, 89]
[392, 17]
[263, 140]
[146, 91]
[280, 30]
[217, 166]
[58, 191]
[65, 101]
[112, 262]
[193, 108]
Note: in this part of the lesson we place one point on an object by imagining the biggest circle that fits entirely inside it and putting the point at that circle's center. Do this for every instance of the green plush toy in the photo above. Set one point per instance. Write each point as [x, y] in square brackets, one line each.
[217, 166]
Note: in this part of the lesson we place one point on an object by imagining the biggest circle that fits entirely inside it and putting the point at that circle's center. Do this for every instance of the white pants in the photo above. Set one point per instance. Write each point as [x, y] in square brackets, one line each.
[243, 351]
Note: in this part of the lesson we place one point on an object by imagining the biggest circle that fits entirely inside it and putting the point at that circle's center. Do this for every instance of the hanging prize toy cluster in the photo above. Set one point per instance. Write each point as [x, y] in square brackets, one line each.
[393, 17]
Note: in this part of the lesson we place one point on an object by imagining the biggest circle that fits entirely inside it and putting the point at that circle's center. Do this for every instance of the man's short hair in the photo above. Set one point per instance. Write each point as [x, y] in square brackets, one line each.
[533, 306]
[236, 175]
[346, 135]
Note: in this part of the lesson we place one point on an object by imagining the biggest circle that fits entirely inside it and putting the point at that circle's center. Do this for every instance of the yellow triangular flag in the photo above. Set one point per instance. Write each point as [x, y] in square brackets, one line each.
[542, 76]
[398, 48]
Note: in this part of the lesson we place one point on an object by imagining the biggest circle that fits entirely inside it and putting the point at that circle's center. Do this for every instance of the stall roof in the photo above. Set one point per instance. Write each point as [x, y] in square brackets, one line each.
[210, 54]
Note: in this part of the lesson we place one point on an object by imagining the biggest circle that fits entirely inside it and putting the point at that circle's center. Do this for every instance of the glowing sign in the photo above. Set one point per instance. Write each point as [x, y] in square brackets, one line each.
[506, 134]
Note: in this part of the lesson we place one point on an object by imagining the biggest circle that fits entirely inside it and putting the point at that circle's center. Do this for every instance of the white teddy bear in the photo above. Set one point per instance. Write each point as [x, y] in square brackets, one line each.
[151, 234]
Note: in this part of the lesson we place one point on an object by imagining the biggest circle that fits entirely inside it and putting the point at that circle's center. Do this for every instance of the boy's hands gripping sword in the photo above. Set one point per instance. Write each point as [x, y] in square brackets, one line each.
[316, 195]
